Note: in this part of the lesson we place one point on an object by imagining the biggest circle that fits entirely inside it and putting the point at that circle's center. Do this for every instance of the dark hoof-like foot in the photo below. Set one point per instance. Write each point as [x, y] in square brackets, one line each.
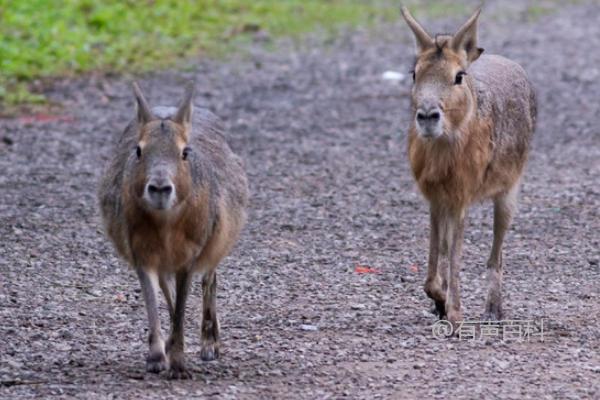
[209, 352]
[492, 316]
[440, 308]
[156, 363]
[179, 374]
[435, 292]
[178, 371]
[493, 312]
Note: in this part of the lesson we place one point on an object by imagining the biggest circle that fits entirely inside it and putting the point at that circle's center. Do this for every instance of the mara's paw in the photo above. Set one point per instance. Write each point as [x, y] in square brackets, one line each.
[493, 312]
[455, 318]
[156, 363]
[178, 371]
[435, 291]
[209, 351]
[439, 309]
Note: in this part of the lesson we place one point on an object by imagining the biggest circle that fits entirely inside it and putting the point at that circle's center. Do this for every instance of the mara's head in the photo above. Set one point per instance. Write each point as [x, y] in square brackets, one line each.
[160, 175]
[442, 97]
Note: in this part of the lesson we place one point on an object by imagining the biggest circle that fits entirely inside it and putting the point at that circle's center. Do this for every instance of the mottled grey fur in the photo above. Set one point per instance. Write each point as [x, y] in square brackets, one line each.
[505, 93]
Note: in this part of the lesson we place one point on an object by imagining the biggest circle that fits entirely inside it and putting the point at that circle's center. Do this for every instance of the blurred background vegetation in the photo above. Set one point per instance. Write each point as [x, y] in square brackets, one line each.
[42, 39]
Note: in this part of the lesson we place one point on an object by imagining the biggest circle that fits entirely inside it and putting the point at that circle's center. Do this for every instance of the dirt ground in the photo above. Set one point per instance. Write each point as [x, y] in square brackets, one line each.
[324, 140]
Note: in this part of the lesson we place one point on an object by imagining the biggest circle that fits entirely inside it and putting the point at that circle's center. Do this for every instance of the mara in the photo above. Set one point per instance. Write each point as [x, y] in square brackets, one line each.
[473, 117]
[173, 201]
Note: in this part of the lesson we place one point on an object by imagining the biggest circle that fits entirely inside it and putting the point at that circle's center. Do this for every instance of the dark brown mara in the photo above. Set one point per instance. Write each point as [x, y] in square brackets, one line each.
[173, 202]
[473, 119]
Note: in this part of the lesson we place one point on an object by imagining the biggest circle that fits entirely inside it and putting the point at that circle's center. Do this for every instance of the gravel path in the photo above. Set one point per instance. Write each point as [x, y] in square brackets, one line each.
[323, 137]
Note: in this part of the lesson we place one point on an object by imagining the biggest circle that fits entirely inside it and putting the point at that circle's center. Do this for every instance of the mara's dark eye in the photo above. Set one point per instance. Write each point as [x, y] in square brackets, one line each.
[138, 152]
[459, 78]
[186, 153]
[414, 75]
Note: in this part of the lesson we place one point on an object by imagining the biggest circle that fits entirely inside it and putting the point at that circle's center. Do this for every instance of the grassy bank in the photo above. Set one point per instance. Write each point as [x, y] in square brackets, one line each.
[58, 38]
[47, 38]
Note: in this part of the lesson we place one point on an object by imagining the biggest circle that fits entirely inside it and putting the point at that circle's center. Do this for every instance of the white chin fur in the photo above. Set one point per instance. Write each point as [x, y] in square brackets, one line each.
[430, 134]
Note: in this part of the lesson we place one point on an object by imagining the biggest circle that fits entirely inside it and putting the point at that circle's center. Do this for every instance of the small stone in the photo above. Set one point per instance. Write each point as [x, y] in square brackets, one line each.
[65, 334]
[307, 327]
[14, 364]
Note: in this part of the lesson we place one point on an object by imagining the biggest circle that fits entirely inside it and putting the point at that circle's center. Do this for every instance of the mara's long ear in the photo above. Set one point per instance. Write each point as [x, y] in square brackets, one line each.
[424, 41]
[184, 113]
[465, 39]
[144, 114]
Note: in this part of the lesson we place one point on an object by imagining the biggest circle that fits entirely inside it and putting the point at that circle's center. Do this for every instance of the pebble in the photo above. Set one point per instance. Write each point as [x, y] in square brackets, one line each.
[307, 327]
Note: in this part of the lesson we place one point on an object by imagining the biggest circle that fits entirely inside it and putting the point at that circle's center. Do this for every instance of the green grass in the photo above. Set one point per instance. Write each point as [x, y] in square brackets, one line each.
[42, 39]
[536, 11]
[46, 38]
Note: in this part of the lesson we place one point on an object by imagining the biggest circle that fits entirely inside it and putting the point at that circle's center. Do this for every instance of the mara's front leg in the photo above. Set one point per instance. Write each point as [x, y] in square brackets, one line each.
[210, 321]
[156, 359]
[455, 231]
[504, 207]
[176, 342]
[435, 284]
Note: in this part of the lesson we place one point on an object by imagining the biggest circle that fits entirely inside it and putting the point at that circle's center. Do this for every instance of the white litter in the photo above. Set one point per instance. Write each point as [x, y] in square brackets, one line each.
[308, 327]
[393, 76]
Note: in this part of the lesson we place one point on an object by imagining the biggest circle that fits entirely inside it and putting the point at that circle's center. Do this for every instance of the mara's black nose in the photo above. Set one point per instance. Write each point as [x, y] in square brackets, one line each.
[160, 190]
[428, 116]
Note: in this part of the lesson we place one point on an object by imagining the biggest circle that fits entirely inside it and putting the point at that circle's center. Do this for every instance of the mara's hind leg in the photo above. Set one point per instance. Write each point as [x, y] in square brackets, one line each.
[504, 207]
[435, 284]
[218, 246]
[156, 360]
[210, 320]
